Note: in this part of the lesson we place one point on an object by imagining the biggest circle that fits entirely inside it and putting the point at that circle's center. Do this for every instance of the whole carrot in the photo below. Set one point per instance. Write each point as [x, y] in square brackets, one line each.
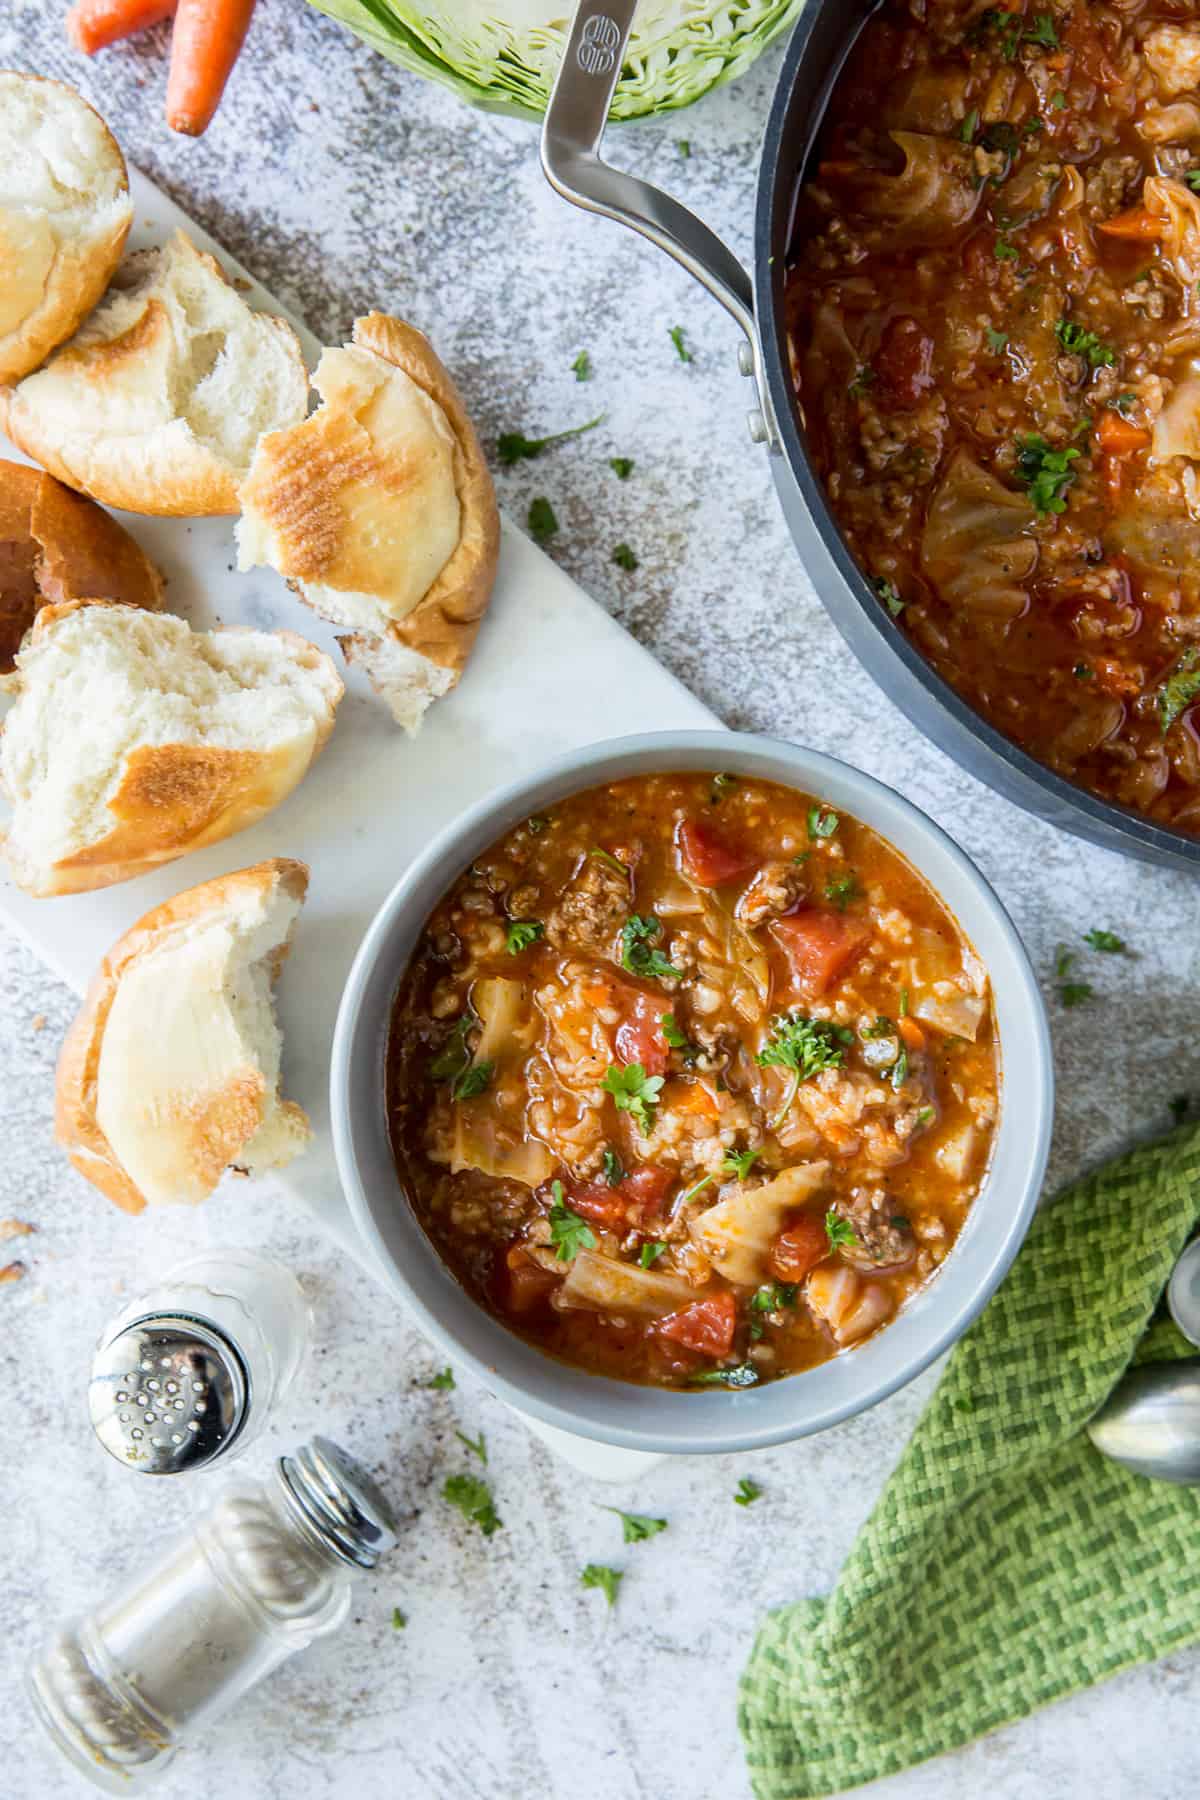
[95, 24]
[205, 43]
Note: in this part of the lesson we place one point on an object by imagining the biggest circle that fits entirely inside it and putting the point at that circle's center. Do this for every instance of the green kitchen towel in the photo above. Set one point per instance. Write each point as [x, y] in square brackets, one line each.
[1007, 1563]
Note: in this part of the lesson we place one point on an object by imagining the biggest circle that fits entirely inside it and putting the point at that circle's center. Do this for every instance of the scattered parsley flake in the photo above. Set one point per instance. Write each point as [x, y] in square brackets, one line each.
[840, 1232]
[635, 1527]
[455, 1054]
[1078, 342]
[650, 1253]
[1003, 251]
[536, 824]
[924, 1116]
[684, 146]
[543, 523]
[1123, 404]
[399, 1619]
[614, 1171]
[677, 1039]
[843, 889]
[622, 466]
[822, 822]
[569, 1231]
[581, 368]
[472, 1082]
[609, 860]
[889, 593]
[744, 1375]
[597, 1576]
[966, 130]
[1193, 180]
[444, 1380]
[898, 1073]
[634, 1092]
[473, 1498]
[681, 350]
[997, 340]
[514, 446]
[522, 933]
[478, 1447]
[1107, 941]
[804, 1045]
[774, 1296]
[903, 1003]
[625, 558]
[738, 1163]
[1075, 993]
[1180, 688]
[1058, 100]
[637, 958]
[719, 784]
[1082, 672]
[747, 1492]
[864, 377]
[1047, 473]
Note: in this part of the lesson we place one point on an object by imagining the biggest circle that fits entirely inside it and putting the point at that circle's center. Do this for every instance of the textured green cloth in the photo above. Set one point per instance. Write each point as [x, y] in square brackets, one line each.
[1007, 1563]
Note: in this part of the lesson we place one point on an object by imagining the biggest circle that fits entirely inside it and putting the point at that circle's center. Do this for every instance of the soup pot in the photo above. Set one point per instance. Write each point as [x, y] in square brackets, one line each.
[623, 1413]
[821, 40]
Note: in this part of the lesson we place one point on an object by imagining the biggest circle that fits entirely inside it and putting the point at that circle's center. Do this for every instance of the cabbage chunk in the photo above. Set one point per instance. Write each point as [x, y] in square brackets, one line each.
[738, 1231]
[931, 197]
[601, 1284]
[976, 549]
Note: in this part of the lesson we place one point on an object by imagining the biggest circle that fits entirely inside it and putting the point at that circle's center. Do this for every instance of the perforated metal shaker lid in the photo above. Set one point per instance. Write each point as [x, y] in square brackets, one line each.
[168, 1393]
[339, 1502]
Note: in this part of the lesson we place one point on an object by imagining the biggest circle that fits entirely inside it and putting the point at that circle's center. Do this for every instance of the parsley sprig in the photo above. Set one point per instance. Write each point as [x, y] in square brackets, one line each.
[804, 1045]
[636, 1527]
[748, 1492]
[1047, 473]
[634, 1092]
[514, 446]
[608, 1580]
[522, 933]
[637, 935]
[569, 1231]
[1180, 688]
[473, 1498]
[840, 1232]
[1078, 342]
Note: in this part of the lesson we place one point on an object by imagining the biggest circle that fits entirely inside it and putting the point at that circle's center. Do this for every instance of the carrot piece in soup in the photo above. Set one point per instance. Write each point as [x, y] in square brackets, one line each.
[706, 1327]
[799, 1249]
[1136, 226]
[708, 859]
[526, 1285]
[820, 947]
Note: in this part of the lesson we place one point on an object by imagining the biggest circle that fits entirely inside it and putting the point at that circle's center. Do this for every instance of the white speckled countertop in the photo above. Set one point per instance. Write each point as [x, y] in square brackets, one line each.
[344, 183]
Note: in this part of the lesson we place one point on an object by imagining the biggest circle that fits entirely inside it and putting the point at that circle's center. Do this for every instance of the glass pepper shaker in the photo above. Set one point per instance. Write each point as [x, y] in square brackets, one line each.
[190, 1370]
[264, 1571]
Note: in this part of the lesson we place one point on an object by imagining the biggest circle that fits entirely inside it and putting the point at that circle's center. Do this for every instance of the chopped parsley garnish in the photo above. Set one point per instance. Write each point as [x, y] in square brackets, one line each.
[472, 1082]
[650, 1253]
[821, 822]
[738, 1163]
[1180, 688]
[719, 784]
[522, 933]
[864, 377]
[1043, 32]
[904, 1003]
[1193, 180]
[1075, 993]
[898, 1073]
[614, 1171]
[477, 1446]
[444, 1380]
[1047, 473]
[842, 889]
[543, 524]
[684, 146]
[966, 130]
[1123, 404]
[581, 368]
[1012, 32]
[1082, 672]
[774, 1296]
[1078, 342]
[597, 1576]
[997, 340]
[473, 1499]
[1003, 251]
[889, 593]
[1063, 958]
[625, 558]
[747, 1492]
[923, 1117]
[637, 935]
[399, 1619]
[681, 350]
[455, 1054]
[622, 466]
[609, 860]
[676, 1039]
[882, 1028]
[745, 1375]
[514, 446]
[806, 1046]
[634, 1092]
[1108, 941]
[840, 1233]
[569, 1231]
[636, 1527]
[1058, 100]
[536, 824]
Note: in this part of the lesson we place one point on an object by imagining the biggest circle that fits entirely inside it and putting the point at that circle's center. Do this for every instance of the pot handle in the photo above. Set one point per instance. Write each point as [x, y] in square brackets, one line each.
[571, 137]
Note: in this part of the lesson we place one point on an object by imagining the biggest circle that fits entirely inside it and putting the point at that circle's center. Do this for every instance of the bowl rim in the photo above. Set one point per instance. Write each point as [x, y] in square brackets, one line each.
[558, 1394]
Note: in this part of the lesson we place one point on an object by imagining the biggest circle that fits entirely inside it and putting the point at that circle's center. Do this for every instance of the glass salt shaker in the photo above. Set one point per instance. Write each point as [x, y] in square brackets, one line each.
[261, 1574]
[191, 1370]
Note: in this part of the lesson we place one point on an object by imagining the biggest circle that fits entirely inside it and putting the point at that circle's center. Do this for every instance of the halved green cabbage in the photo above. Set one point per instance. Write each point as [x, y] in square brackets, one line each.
[503, 55]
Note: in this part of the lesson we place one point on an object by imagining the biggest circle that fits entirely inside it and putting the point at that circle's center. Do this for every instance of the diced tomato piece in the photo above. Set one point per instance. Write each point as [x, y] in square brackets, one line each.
[706, 1327]
[640, 1034]
[526, 1284]
[820, 947]
[904, 364]
[799, 1249]
[708, 859]
[633, 1202]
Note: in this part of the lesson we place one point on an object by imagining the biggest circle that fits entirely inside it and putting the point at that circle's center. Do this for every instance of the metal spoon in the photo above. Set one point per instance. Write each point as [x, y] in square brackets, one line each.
[1151, 1421]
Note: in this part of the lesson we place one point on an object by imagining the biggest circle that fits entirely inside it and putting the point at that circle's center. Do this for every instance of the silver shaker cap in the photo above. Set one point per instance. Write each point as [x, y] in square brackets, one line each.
[339, 1502]
[168, 1393]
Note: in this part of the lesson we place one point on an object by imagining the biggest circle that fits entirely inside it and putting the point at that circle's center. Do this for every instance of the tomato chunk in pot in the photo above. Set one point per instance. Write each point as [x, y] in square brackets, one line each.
[706, 1327]
[635, 1200]
[640, 1034]
[819, 947]
[798, 1250]
[708, 859]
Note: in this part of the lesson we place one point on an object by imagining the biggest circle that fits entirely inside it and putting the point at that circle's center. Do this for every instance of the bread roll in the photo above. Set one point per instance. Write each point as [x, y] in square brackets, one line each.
[134, 739]
[379, 509]
[54, 546]
[170, 1073]
[158, 400]
[65, 213]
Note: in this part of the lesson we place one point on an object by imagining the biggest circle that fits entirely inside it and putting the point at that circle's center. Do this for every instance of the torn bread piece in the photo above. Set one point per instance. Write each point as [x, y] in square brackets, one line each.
[55, 545]
[157, 402]
[170, 1073]
[380, 511]
[135, 739]
[65, 214]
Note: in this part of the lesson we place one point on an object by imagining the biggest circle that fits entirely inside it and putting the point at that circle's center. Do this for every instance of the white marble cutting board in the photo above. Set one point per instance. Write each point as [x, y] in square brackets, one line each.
[550, 670]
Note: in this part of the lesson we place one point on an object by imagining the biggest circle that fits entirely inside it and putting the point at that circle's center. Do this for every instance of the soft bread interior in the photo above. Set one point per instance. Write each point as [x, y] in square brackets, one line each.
[358, 504]
[405, 680]
[188, 1072]
[95, 682]
[62, 190]
[160, 397]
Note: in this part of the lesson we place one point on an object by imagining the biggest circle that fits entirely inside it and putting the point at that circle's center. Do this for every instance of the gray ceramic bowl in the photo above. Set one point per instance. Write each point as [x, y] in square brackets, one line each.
[616, 1412]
